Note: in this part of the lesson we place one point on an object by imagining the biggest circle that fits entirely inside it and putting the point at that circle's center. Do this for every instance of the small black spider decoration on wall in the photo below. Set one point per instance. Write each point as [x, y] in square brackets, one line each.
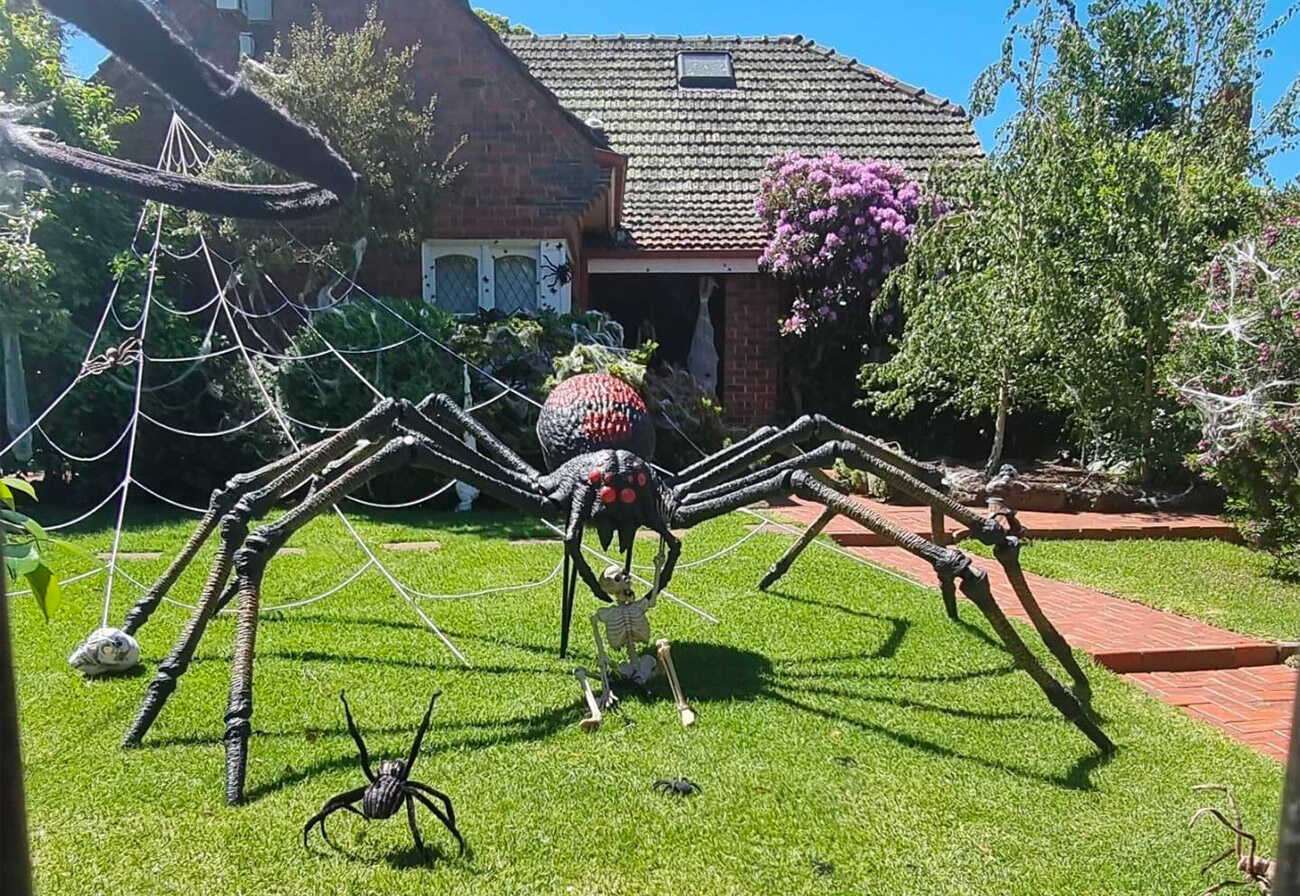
[556, 275]
[389, 790]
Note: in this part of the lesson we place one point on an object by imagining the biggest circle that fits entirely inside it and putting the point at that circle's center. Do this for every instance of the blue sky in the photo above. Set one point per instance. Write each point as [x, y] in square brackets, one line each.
[940, 45]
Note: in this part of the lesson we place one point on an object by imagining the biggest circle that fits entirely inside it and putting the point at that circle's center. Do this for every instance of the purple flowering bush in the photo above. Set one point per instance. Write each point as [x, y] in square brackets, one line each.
[836, 228]
[1236, 361]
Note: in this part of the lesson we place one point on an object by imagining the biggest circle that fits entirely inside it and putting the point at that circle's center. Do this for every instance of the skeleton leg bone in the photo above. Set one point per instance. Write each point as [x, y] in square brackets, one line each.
[683, 708]
[592, 722]
[607, 696]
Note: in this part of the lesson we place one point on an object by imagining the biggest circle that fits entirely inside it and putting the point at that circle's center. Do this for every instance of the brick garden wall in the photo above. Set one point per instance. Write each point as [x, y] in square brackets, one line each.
[752, 354]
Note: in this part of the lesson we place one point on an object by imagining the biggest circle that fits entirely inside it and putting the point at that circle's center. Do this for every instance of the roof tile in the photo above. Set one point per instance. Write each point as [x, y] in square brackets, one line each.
[695, 155]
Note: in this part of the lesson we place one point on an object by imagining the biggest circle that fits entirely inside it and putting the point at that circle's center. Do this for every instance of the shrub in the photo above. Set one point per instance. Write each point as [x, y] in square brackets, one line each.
[835, 229]
[529, 354]
[1236, 361]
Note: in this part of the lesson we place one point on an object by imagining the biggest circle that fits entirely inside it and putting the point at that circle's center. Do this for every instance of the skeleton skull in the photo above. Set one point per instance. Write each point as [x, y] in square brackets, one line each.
[617, 584]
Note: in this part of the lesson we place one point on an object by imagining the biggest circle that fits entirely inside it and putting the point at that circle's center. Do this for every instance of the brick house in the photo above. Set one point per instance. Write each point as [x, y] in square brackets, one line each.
[633, 159]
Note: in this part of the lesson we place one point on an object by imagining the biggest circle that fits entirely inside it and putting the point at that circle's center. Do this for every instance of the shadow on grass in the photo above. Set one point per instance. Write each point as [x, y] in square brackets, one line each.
[1078, 777]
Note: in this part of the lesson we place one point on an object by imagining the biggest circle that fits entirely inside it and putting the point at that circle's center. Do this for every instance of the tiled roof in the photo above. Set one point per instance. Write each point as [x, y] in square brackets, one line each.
[695, 154]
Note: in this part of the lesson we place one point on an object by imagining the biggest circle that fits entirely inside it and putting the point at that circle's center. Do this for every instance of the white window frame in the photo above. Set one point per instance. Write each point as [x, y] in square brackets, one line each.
[486, 252]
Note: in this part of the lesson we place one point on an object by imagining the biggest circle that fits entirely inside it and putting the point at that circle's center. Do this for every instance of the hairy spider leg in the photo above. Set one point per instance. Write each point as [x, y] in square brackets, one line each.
[134, 32]
[921, 481]
[447, 822]
[247, 505]
[220, 503]
[419, 736]
[356, 738]
[946, 562]
[250, 563]
[575, 564]
[332, 805]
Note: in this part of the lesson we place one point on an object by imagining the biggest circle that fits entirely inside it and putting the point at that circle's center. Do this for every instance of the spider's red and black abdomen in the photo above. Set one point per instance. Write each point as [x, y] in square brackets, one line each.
[591, 412]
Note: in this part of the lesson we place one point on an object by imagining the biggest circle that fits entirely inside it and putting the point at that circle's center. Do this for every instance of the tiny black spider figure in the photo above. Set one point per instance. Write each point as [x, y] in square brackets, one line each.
[597, 440]
[389, 790]
[677, 786]
[556, 275]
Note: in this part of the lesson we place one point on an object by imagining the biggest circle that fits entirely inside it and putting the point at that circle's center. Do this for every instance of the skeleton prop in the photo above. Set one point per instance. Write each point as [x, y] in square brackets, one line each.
[626, 625]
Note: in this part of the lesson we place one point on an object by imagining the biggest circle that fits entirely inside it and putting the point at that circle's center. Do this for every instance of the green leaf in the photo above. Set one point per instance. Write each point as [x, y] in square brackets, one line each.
[22, 558]
[22, 485]
[35, 528]
[46, 590]
[6, 496]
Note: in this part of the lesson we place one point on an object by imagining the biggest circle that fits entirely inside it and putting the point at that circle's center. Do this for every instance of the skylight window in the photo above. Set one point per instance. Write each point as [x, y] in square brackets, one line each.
[701, 68]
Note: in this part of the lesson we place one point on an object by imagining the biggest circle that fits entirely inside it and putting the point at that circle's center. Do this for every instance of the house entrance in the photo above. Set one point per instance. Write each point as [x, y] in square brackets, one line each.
[667, 308]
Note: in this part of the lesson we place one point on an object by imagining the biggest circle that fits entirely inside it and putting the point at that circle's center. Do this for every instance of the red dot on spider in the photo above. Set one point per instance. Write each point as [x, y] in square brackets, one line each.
[607, 494]
[627, 496]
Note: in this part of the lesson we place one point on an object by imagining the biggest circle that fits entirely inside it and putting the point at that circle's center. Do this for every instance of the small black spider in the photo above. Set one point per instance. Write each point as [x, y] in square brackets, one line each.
[388, 790]
[556, 275]
[677, 786]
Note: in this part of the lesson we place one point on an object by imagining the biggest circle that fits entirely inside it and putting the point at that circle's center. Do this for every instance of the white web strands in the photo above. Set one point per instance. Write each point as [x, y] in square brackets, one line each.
[1237, 326]
[184, 151]
[506, 388]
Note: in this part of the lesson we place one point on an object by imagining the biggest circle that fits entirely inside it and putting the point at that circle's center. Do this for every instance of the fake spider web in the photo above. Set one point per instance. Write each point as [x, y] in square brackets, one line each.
[1237, 327]
[184, 152]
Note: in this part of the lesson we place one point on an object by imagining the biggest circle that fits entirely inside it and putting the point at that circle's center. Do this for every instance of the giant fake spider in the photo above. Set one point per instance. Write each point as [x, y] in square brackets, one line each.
[597, 440]
[389, 790]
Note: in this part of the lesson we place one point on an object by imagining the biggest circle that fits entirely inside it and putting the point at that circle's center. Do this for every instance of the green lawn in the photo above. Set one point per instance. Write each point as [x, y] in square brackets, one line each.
[1224, 584]
[851, 739]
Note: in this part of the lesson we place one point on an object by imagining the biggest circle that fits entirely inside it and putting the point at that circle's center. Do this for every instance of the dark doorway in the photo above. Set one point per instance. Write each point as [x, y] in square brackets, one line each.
[662, 307]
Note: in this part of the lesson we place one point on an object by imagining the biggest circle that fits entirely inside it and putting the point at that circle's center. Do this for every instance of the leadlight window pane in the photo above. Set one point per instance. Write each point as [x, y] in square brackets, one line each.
[516, 284]
[455, 283]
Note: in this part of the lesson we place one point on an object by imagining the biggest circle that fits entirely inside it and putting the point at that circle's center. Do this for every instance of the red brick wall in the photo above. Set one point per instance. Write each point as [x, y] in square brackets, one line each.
[528, 171]
[752, 353]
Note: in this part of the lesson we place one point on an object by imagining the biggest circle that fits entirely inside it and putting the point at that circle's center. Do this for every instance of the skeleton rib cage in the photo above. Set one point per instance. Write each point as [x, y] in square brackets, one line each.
[593, 481]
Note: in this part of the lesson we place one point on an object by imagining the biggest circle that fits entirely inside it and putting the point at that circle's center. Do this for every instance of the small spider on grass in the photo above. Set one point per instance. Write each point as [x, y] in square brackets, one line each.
[389, 790]
[1256, 870]
[677, 786]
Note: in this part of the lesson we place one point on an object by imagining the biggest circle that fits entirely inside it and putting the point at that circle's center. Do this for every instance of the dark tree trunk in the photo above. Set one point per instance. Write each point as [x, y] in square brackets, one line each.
[15, 865]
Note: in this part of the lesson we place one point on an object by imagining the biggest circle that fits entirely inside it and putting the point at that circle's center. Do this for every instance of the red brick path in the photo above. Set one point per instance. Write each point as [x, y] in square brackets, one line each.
[1079, 525]
[1232, 681]
[1253, 705]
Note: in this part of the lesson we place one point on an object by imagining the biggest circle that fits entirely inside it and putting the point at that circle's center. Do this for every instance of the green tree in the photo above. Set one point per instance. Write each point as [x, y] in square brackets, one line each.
[360, 94]
[500, 24]
[56, 238]
[1128, 161]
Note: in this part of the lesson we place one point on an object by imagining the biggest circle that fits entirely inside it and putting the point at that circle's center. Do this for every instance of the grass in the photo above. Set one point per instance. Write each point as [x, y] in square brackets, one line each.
[851, 739]
[1223, 584]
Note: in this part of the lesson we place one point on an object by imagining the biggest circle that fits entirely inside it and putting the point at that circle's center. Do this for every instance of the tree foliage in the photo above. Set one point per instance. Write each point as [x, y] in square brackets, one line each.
[501, 24]
[360, 94]
[1236, 361]
[56, 238]
[835, 228]
[1070, 250]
